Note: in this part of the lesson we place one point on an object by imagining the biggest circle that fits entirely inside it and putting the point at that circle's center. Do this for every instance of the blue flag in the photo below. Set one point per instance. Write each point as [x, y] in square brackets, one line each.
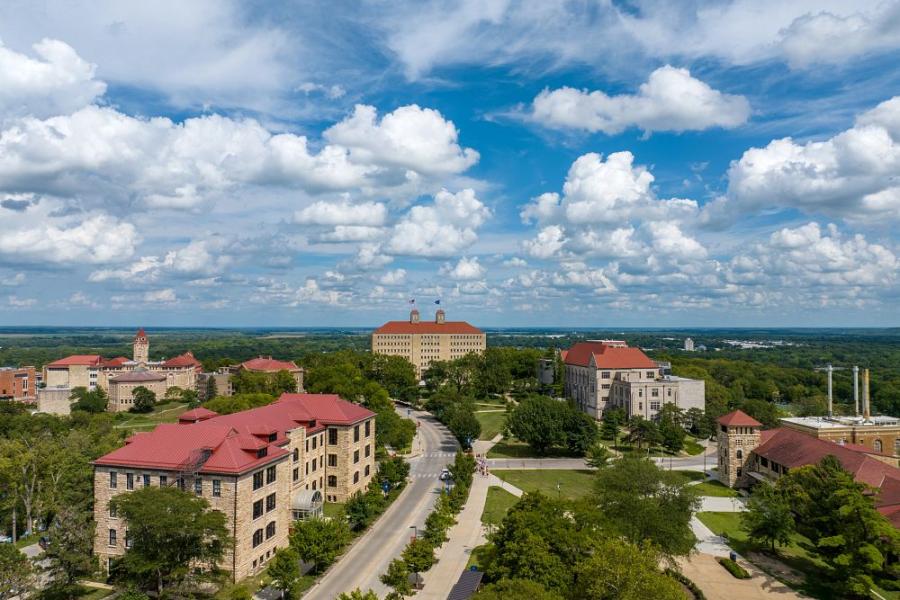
[412, 300]
[438, 301]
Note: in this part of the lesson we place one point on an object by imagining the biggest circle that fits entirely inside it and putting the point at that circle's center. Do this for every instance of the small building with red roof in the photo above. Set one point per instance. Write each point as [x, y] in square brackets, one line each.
[257, 466]
[609, 373]
[424, 342]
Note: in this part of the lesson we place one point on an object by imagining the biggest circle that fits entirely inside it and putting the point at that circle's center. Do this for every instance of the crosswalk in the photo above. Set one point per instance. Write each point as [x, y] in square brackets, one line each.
[424, 476]
[439, 454]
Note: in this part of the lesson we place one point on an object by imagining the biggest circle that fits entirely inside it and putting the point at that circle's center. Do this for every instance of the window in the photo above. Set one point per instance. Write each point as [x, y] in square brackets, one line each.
[640, 393]
[368, 428]
[146, 480]
[217, 488]
[739, 454]
[332, 481]
[296, 454]
[270, 529]
[273, 437]
[604, 386]
[332, 437]
[113, 480]
[356, 477]
[262, 452]
[654, 406]
[764, 461]
[368, 450]
[257, 537]
[257, 480]
[654, 392]
[355, 456]
[180, 482]
[198, 486]
[356, 433]
[270, 502]
[112, 511]
[651, 374]
[314, 484]
[270, 474]
[112, 537]
[604, 375]
[257, 509]
[307, 445]
[332, 460]
[876, 445]
[367, 470]
[314, 443]
[296, 474]
[127, 540]
[163, 481]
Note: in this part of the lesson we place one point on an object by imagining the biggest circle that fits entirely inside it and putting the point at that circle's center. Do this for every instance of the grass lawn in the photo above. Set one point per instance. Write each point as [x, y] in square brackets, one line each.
[692, 447]
[573, 484]
[512, 448]
[28, 540]
[475, 557]
[690, 475]
[82, 592]
[491, 424]
[498, 502]
[332, 509]
[714, 488]
[162, 413]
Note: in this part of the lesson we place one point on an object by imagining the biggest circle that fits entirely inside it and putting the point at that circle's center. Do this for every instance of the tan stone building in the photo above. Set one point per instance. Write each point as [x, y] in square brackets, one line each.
[261, 364]
[608, 373]
[18, 383]
[422, 343]
[92, 371]
[256, 466]
[880, 436]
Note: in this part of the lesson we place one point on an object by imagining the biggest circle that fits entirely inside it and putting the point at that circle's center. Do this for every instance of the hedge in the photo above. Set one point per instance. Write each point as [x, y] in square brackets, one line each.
[732, 567]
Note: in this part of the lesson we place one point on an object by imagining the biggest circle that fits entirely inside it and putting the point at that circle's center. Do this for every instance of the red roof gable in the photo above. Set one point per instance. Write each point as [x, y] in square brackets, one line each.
[182, 360]
[608, 357]
[115, 362]
[90, 360]
[791, 448]
[268, 364]
[197, 414]
[140, 333]
[429, 327]
[738, 418]
[235, 439]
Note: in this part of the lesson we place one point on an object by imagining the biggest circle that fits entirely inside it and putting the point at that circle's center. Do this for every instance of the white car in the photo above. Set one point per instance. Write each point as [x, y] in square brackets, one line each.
[445, 474]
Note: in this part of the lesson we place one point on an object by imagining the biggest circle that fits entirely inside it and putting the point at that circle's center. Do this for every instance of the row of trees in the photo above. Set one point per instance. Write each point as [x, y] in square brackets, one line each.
[498, 370]
[607, 546]
[457, 412]
[837, 515]
[544, 424]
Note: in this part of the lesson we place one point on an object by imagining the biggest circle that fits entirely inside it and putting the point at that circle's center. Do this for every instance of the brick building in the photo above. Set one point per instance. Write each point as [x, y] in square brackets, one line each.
[18, 383]
[252, 465]
[608, 373]
[423, 342]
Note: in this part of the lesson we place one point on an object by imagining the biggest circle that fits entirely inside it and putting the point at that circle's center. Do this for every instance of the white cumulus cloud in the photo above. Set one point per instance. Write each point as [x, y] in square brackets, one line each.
[466, 269]
[98, 239]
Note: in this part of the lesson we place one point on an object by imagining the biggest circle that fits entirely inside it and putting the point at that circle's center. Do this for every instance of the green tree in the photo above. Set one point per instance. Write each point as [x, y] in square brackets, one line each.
[613, 420]
[394, 470]
[284, 569]
[69, 553]
[462, 423]
[173, 394]
[397, 578]
[768, 518]
[696, 423]
[226, 405]
[599, 456]
[672, 436]
[282, 382]
[763, 411]
[515, 589]
[540, 422]
[418, 555]
[319, 541]
[358, 594]
[438, 522]
[191, 397]
[580, 431]
[360, 511]
[636, 499]
[94, 401]
[641, 431]
[169, 530]
[144, 400]
[623, 571]
[16, 573]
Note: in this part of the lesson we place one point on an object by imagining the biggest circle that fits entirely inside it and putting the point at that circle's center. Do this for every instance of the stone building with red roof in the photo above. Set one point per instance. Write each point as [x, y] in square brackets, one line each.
[747, 454]
[423, 342]
[260, 364]
[261, 467]
[609, 373]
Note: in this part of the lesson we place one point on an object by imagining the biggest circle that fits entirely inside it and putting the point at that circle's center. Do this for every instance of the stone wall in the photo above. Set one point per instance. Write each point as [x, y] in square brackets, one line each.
[735, 447]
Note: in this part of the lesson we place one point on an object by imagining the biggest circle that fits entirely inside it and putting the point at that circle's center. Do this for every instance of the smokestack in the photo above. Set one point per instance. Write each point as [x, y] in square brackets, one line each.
[830, 370]
[856, 390]
[865, 394]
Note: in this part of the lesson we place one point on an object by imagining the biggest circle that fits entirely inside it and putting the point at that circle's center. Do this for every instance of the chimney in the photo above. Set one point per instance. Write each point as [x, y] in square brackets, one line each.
[865, 394]
[414, 315]
[439, 316]
[856, 390]
[830, 370]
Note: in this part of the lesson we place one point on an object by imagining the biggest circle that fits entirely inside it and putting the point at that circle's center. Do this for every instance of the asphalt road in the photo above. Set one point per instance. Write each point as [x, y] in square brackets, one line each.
[369, 557]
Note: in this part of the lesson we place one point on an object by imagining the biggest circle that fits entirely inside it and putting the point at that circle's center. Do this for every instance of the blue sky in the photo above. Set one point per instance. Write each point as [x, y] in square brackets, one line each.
[556, 163]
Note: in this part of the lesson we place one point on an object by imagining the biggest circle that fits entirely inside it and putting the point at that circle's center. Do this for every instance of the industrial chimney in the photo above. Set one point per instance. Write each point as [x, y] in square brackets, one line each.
[856, 390]
[830, 370]
[865, 394]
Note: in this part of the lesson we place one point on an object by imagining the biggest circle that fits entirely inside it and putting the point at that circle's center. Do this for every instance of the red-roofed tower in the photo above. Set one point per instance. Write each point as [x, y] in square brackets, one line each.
[141, 347]
[738, 436]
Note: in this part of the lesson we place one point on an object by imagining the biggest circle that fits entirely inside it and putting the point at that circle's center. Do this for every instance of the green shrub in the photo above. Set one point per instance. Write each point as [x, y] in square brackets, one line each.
[735, 569]
[690, 585]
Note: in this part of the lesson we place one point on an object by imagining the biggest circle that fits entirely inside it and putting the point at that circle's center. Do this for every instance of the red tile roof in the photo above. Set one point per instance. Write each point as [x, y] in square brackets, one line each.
[791, 448]
[140, 333]
[738, 418]
[608, 357]
[197, 414]
[90, 360]
[268, 364]
[182, 360]
[115, 362]
[234, 439]
[428, 327]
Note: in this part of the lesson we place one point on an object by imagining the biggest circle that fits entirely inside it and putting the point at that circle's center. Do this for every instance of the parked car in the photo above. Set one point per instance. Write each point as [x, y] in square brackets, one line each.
[445, 474]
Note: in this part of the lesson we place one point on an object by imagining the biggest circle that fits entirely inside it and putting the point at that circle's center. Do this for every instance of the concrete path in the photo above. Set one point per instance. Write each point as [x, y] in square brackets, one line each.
[716, 504]
[707, 541]
[719, 584]
[363, 564]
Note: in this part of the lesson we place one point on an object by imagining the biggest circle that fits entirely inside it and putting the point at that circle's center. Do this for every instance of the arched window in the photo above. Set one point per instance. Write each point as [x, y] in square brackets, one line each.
[897, 446]
[740, 454]
[876, 445]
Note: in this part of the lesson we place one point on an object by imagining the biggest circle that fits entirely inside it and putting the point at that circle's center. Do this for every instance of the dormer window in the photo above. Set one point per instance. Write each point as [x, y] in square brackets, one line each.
[262, 452]
[273, 437]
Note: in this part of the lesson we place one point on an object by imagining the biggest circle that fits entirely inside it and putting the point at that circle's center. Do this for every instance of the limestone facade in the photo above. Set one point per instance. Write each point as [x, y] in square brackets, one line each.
[736, 442]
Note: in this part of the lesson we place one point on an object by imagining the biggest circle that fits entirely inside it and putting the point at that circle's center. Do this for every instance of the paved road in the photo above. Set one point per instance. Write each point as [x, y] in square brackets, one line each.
[364, 563]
